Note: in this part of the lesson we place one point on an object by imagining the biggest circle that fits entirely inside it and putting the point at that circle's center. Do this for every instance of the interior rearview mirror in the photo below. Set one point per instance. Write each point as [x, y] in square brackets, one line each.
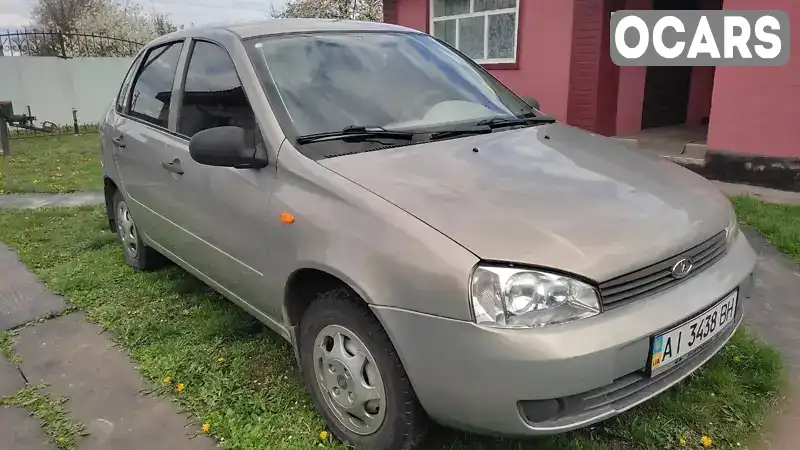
[228, 147]
[532, 102]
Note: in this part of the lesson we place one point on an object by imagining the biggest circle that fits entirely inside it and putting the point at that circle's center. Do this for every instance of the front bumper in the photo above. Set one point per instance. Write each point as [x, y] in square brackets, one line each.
[559, 378]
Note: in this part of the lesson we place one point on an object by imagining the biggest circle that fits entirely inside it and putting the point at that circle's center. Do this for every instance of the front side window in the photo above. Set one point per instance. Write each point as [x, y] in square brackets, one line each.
[152, 89]
[484, 30]
[212, 95]
[394, 80]
[122, 95]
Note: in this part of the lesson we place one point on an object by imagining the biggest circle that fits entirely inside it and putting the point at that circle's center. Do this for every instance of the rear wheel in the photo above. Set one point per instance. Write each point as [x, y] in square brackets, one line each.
[136, 253]
[355, 378]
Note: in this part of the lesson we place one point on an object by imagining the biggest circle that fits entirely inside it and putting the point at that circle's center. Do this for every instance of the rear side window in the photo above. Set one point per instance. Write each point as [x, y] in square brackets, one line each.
[212, 94]
[122, 96]
[152, 89]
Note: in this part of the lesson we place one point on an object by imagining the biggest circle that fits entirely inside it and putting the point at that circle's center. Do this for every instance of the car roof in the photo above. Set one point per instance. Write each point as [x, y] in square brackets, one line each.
[282, 26]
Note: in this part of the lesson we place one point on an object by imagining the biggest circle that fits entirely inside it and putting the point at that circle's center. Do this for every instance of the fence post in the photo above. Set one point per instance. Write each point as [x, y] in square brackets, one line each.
[75, 121]
[61, 44]
[5, 143]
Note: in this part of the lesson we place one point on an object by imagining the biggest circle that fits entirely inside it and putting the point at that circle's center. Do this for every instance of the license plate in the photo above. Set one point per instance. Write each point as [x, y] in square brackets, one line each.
[676, 344]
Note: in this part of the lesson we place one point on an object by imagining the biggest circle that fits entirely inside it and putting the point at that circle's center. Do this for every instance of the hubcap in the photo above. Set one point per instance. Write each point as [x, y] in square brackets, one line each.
[127, 229]
[349, 380]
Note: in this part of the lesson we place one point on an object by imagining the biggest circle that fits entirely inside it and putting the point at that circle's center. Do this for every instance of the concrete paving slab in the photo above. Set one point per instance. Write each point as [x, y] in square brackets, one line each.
[103, 388]
[764, 194]
[21, 431]
[31, 201]
[774, 310]
[22, 297]
[774, 314]
[11, 380]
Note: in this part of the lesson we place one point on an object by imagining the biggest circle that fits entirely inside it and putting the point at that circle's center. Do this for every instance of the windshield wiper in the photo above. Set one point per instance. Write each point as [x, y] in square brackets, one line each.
[446, 134]
[499, 122]
[357, 133]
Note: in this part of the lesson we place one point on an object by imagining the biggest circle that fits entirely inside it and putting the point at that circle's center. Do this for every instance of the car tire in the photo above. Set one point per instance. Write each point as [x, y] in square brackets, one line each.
[137, 255]
[394, 422]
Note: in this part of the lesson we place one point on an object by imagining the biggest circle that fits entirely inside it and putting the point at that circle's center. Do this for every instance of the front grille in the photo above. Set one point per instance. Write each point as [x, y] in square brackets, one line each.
[658, 277]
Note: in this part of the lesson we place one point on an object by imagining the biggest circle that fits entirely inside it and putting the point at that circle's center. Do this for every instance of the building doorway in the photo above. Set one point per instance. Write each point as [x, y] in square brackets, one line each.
[666, 96]
[667, 89]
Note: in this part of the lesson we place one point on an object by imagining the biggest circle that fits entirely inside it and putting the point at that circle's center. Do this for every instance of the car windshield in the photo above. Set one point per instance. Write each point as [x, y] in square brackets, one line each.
[395, 80]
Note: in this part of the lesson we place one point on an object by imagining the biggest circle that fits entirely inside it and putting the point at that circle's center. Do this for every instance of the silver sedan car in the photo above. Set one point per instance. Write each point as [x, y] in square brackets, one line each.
[433, 246]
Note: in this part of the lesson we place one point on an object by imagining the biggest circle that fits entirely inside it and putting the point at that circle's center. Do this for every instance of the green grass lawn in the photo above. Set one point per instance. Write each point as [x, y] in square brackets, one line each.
[52, 164]
[778, 223]
[241, 379]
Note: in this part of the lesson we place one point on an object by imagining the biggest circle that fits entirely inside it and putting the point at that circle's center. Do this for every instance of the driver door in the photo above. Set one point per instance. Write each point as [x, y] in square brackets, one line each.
[222, 211]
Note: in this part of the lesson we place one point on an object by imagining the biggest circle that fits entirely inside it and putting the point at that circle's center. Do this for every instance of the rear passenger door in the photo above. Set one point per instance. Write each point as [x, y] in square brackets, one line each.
[140, 138]
[223, 210]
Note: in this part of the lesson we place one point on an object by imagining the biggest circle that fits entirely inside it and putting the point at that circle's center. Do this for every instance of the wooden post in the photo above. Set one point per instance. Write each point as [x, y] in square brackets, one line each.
[75, 121]
[5, 111]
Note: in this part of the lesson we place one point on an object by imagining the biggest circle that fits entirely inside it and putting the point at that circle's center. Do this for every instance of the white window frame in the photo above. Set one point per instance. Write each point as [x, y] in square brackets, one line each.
[490, 12]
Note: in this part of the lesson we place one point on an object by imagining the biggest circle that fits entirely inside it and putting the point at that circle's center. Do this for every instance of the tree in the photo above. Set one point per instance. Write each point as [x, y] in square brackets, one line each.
[369, 10]
[114, 28]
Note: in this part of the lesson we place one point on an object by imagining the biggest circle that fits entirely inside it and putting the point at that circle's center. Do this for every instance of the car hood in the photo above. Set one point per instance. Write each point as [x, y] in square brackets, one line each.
[551, 195]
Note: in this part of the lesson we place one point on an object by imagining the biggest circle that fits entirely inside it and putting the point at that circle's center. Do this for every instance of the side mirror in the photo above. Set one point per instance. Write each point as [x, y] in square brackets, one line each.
[227, 147]
[532, 102]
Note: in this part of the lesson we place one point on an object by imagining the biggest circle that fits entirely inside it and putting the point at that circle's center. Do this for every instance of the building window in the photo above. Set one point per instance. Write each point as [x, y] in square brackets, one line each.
[484, 30]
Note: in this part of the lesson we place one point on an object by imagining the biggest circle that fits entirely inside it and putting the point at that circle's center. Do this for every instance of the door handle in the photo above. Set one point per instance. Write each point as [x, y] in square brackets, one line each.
[174, 166]
[118, 142]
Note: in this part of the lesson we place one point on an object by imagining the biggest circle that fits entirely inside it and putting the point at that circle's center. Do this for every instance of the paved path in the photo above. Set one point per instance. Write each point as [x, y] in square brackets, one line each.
[79, 362]
[29, 201]
[774, 314]
[764, 194]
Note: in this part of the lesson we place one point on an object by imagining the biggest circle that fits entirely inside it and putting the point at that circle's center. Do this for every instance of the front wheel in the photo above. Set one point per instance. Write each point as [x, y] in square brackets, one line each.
[355, 378]
[136, 253]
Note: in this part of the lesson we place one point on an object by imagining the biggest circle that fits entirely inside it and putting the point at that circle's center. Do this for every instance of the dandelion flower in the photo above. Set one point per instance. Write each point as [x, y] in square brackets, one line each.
[180, 387]
[682, 441]
[166, 380]
[61, 439]
[220, 359]
[206, 428]
[323, 435]
[706, 441]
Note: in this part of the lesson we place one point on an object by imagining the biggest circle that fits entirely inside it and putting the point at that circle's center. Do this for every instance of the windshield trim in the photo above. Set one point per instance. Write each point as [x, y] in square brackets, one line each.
[278, 105]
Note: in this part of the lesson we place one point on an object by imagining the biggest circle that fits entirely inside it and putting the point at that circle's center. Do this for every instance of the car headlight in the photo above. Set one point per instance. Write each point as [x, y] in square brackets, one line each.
[505, 297]
[732, 230]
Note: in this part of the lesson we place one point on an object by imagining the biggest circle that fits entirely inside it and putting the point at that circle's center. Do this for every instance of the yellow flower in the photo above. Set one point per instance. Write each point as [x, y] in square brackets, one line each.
[205, 428]
[180, 387]
[61, 439]
[706, 441]
[323, 435]
[682, 441]
[220, 359]
[166, 380]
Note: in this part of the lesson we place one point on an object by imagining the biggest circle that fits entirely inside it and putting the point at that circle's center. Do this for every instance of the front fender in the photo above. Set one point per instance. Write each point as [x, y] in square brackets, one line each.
[389, 257]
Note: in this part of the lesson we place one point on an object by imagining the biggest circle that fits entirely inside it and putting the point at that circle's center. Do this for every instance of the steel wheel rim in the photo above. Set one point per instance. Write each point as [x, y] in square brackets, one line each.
[349, 380]
[127, 230]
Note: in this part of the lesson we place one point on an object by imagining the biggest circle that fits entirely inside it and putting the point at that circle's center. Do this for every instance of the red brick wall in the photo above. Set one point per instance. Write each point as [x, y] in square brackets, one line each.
[390, 11]
[593, 78]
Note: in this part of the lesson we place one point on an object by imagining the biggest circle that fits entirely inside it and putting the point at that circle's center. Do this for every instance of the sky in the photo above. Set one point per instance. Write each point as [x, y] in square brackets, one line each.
[16, 13]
